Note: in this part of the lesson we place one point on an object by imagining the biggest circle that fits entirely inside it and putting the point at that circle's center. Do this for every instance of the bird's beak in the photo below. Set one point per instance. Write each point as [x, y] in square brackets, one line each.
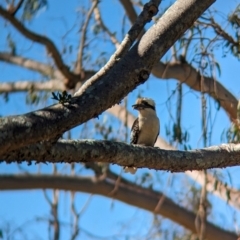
[138, 106]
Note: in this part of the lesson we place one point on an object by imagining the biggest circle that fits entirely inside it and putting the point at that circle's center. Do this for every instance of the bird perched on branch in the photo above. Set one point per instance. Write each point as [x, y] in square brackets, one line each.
[146, 127]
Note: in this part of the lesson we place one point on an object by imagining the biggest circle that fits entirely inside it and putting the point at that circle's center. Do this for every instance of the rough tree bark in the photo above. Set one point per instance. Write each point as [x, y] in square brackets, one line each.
[69, 151]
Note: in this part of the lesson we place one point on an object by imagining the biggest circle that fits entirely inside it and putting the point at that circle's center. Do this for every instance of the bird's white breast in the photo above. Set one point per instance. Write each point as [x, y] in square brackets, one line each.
[149, 129]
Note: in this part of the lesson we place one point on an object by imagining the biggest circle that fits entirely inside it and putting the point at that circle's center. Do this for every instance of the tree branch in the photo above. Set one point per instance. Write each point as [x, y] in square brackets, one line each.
[42, 40]
[100, 22]
[16, 8]
[69, 151]
[135, 196]
[185, 73]
[23, 86]
[130, 11]
[50, 85]
[78, 67]
[219, 31]
[42, 68]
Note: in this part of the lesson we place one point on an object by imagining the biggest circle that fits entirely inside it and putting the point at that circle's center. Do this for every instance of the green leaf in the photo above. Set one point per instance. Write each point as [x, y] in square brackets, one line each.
[228, 195]
[218, 68]
[31, 8]
[215, 185]
[62, 98]
[217, 104]
[54, 96]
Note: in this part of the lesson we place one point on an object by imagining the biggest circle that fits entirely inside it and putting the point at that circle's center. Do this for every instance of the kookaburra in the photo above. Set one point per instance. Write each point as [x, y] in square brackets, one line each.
[146, 127]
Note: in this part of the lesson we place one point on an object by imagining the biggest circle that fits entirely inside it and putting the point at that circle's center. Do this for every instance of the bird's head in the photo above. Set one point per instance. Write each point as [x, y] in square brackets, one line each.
[144, 104]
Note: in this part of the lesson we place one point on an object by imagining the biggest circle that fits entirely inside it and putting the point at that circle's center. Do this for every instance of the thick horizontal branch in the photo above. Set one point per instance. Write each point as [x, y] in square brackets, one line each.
[135, 196]
[69, 151]
[133, 69]
[42, 40]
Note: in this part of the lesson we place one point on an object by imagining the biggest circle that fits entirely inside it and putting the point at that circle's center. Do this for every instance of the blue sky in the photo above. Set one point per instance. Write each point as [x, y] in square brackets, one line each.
[103, 214]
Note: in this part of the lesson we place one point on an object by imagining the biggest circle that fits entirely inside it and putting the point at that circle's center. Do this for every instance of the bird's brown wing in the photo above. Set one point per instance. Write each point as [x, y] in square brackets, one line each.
[134, 132]
[156, 138]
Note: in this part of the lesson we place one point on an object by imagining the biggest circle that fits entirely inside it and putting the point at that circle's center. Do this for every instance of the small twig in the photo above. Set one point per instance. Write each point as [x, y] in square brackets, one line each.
[78, 67]
[201, 217]
[187, 44]
[47, 197]
[103, 26]
[162, 197]
[77, 215]
[129, 9]
[159, 204]
[14, 10]
[56, 224]
[218, 30]
[117, 183]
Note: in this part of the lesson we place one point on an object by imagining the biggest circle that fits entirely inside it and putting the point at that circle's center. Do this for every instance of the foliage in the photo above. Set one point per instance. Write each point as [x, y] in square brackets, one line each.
[62, 98]
[32, 7]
